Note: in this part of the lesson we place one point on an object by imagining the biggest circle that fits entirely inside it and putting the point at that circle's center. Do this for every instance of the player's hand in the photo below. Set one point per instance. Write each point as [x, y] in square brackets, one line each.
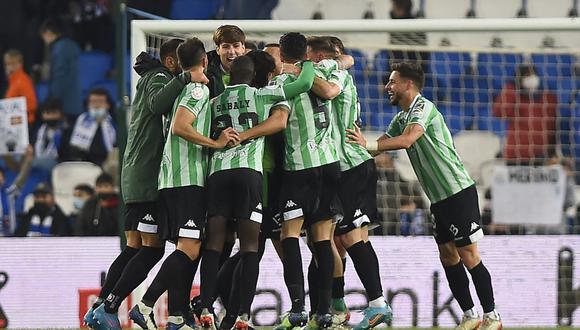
[355, 136]
[29, 152]
[199, 77]
[227, 136]
[291, 68]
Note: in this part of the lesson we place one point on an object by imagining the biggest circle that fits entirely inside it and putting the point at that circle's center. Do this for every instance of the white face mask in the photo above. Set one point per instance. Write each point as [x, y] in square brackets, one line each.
[78, 203]
[531, 83]
[98, 113]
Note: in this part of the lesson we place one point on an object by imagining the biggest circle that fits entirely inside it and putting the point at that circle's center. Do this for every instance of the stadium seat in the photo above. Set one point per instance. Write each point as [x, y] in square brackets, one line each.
[361, 61]
[41, 91]
[565, 129]
[403, 166]
[28, 202]
[471, 88]
[554, 65]
[486, 121]
[65, 176]
[194, 9]
[501, 67]
[94, 67]
[448, 65]
[486, 171]
[488, 146]
[381, 62]
[457, 116]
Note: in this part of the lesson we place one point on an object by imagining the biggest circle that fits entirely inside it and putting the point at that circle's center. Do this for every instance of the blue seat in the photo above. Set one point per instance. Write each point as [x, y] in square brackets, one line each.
[361, 61]
[448, 65]
[457, 116]
[554, 65]
[486, 121]
[471, 89]
[500, 67]
[194, 9]
[94, 66]
[381, 62]
[41, 91]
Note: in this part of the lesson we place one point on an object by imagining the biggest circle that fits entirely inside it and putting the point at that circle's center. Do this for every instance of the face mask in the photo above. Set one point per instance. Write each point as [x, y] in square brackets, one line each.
[531, 83]
[78, 203]
[52, 123]
[97, 113]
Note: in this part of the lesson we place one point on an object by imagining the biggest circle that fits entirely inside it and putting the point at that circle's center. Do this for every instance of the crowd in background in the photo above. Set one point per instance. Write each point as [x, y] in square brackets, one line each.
[70, 126]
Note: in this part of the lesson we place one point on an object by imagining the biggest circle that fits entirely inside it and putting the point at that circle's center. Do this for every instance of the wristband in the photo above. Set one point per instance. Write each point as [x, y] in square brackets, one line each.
[373, 145]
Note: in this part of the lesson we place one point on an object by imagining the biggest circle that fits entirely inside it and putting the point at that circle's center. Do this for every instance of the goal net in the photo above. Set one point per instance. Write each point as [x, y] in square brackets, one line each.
[510, 128]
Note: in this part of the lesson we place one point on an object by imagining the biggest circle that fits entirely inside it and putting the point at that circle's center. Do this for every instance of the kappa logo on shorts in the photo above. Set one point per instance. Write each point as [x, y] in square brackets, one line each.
[259, 206]
[190, 223]
[474, 226]
[290, 203]
[148, 217]
[357, 213]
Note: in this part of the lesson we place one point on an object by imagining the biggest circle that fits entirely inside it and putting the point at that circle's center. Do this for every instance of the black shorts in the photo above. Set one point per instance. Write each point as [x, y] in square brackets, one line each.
[143, 217]
[183, 211]
[457, 218]
[358, 195]
[236, 194]
[271, 223]
[311, 193]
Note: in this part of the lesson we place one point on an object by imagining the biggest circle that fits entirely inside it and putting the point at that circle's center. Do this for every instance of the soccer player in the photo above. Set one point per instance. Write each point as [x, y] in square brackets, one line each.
[309, 186]
[157, 89]
[421, 130]
[230, 43]
[274, 50]
[357, 188]
[182, 195]
[235, 181]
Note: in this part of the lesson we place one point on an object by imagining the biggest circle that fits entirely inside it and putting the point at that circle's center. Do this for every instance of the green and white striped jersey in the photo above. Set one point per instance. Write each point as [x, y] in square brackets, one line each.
[309, 133]
[242, 107]
[346, 110]
[433, 156]
[185, 163]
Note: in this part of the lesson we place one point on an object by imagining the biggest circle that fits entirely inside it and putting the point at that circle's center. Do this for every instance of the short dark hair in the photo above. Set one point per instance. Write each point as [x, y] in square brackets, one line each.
[85, 188]
[251, 45]
[53, 25]
[104, 178]
[101, 92]
[411, 71]
[264, 63]
[336, 42]
[169, 48]
[190, 53]
[525, 70]
[320, 44]
[272, 44]
[242, 69]
[51, 105]
[229, 34]
[293, 46]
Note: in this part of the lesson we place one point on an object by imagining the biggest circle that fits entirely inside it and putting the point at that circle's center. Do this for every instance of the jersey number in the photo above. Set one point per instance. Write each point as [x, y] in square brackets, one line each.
[247, 120]
[320, 111]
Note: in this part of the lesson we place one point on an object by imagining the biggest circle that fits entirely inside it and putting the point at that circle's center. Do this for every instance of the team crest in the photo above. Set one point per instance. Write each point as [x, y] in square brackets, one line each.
[197, 93]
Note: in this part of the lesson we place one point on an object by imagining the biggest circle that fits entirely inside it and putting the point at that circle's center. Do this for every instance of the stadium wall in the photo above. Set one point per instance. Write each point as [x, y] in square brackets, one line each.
[48, 283]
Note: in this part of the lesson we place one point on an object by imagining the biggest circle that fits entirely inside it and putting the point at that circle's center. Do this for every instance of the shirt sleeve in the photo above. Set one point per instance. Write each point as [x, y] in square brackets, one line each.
[420, 114]
[338, 77]
[279, 81]
[272, 93]
[195, 99]
[394, 128]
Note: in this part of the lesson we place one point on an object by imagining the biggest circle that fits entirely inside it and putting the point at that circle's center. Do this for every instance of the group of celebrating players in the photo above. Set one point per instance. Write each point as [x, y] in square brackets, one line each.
[265, 144]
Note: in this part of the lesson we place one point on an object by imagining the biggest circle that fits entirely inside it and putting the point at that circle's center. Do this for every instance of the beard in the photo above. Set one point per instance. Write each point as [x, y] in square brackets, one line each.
[394, 100]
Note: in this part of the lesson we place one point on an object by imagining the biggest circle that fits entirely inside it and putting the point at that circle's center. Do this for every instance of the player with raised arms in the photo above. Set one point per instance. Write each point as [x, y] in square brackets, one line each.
[420, 129]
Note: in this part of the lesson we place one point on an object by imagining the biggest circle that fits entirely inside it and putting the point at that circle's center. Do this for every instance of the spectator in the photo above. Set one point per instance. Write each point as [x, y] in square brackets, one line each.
[531, 115]
[9, 193]
[63, 81]
[93, 136]
[402, 9]
[45, 218]
[92, 25]
[570, 195]
[411, 218]
[81, 194]
[4, 206]
[19, 82]
[49, 145]
[99, 215]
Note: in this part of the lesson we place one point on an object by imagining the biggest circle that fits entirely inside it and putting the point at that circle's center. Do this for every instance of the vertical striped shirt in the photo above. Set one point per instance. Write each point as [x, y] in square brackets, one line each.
[308, 135]
[184, 163]
[242, 107]
[346, 110]
[433, 156]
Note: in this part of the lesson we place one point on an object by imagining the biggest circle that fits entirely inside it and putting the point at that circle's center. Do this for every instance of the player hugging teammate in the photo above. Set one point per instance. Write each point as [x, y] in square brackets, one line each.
[268, 146]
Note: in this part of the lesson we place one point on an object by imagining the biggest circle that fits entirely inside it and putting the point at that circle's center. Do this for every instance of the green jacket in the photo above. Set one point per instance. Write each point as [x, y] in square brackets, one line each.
[157, 90]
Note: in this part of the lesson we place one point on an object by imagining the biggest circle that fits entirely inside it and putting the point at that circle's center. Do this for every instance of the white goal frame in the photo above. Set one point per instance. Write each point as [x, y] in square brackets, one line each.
[140, 28]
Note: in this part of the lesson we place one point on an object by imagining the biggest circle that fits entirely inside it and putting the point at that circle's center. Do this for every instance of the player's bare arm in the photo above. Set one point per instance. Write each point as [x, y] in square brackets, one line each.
[325, 89]
[182, 127]
[410, 135]
[345, 62]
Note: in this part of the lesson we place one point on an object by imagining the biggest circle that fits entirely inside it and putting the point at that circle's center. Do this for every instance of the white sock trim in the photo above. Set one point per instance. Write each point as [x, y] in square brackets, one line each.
[494, 315]
[144, 309]
[175, 319]
[471, 313]
[379, 302]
